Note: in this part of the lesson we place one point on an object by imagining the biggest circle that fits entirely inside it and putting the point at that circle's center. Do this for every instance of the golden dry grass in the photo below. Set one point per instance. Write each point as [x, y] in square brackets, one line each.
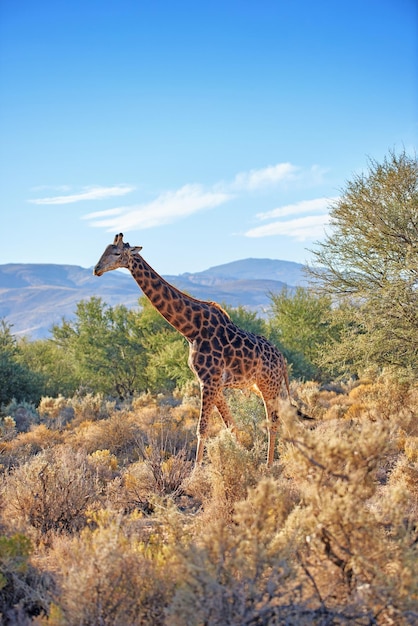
[122, 530]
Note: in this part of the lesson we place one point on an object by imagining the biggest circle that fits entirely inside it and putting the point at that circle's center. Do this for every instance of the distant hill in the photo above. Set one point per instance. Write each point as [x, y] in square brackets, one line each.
[33, 297]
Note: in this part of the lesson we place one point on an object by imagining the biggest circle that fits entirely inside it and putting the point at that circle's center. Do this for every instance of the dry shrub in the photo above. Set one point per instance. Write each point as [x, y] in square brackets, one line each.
[405, 476]
[249, 414]
[104, 458]
[119, 434]
[386, 397]
[376, 397]
[185, 417]
[167, 472]
[354, 566]
[236, 574]
[91, 407]
[56, 412]
[169, 428]
[107, 576]
[330, 404]
[50, 493]
[189, 393]
[50, 408]
[131, 491]
[411, 448]
[159, 474]
[145, 416]
[105, 464]
[224, 481]
[328, 535]
[127, 433]
[329, 401]
[162, 471]
[307, 395]
[144, 400]
[38, 438]
[8, 430]
[25, 445]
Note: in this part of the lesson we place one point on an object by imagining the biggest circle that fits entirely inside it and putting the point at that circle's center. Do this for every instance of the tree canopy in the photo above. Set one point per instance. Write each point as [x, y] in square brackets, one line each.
[17, 381]
[368, 263]
[301, 325]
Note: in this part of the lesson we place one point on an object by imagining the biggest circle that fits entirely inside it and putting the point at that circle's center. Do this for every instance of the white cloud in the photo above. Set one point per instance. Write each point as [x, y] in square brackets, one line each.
[60, 188]
[166, 208]
[177, 204]
[106, 213]
[256, 179]
[301, 228]
[318, 205]
[92, 193]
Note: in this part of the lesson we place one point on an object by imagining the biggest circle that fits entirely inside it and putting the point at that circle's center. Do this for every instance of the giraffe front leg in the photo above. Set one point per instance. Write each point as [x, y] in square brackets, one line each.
[272, 422]
[199, 450]
[207, 405]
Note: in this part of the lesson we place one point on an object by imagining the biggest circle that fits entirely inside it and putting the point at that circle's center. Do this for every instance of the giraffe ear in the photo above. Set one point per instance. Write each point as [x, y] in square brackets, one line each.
[135, 249]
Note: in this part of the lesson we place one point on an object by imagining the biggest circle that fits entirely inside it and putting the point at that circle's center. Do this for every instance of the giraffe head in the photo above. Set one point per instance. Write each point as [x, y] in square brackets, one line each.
[116, 255]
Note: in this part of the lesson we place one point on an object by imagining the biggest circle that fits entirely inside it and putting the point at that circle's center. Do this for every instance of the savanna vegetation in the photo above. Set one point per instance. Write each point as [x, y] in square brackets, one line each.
[103, 520]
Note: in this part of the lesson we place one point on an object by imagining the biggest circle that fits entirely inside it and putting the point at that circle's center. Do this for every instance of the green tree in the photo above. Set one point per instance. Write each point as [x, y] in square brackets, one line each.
[106, 345]
[368, 263]
[16, 380]
[247, 320]
[301, 324]
[54, 365]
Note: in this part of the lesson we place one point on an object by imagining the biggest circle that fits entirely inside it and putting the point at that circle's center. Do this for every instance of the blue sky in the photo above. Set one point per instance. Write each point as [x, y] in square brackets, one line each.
[206, 131]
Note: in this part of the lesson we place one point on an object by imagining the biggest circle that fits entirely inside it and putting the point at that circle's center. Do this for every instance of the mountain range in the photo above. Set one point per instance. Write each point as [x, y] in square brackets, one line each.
[33, 297]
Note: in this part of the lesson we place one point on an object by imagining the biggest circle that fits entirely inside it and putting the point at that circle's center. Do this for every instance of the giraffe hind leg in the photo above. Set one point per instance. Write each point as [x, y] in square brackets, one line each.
[223, 408]
[272, 433]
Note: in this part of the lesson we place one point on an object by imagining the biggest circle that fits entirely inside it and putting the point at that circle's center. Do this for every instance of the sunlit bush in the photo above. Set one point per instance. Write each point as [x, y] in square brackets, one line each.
[325, 536]
[107, 576]
[19, 449]
[344, 549]
[50, 493]
[56, 412]
[91, 407]
[119, 433]
[236, 573]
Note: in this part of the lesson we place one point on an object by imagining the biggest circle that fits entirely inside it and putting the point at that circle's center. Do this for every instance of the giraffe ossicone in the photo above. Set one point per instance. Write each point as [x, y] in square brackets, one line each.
[222, 355]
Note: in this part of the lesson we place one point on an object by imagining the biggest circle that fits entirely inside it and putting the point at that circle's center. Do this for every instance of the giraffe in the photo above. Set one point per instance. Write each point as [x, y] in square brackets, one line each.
[222, 355]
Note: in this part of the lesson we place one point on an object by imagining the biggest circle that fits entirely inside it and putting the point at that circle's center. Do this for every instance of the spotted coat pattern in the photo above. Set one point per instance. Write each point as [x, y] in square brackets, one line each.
[222, 355]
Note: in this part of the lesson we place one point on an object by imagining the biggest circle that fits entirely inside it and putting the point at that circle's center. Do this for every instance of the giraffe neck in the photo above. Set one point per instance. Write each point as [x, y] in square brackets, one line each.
[176, 307]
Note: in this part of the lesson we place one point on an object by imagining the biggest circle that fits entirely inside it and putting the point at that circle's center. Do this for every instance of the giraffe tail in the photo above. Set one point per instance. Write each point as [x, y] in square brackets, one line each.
[299, 412]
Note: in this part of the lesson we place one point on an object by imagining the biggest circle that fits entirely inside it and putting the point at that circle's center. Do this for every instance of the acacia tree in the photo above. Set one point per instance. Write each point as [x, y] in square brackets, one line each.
[368, 263]
[17, 381]
[301, 324]
[247, 320]
[54, 366]
[105, 344]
